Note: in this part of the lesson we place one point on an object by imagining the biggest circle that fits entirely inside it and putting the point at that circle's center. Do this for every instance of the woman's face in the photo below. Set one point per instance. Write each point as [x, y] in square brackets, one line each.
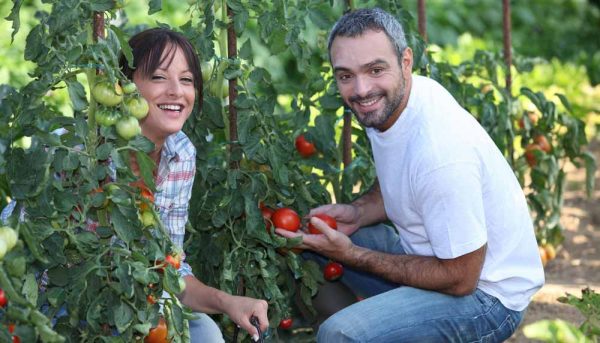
[170, 93]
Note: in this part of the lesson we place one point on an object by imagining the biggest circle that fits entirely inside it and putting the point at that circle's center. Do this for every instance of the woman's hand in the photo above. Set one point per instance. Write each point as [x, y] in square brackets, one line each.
[241, 309]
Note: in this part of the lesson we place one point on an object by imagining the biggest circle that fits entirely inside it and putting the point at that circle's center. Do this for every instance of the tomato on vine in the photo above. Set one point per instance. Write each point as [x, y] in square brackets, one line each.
[137, 107]
[286, 218]
[106, 93]
[128, 127]
[3, 299]
[286, 323]
[327, 219]
[305, 148]
[158, 334]
[129, 88]
[107, 117]
[333, 271]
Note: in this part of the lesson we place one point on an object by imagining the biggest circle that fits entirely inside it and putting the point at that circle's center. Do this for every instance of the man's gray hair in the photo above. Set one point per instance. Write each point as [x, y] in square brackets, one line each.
[355, 23]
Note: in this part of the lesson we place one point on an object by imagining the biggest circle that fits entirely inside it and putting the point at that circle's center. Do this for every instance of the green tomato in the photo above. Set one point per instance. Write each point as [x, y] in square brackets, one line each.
[147, 218]
[128, 127]
[106, 117]
[9, 236]
[106, 93]
[137, 107]
[217, 91]
[129, 88]
[181, 285]
[3, 249]
[207, 69]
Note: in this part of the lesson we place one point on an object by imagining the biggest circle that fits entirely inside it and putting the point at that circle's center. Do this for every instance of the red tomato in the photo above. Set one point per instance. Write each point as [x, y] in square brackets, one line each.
[530, 155]
[542, 141]
[174, 261]
[304, 147]
[333, 271]
[267, 213]
[11, 329]
[286, 218]
[151, 299]
[327, 219]
[158, 334]
[3, 300]
[286, 323]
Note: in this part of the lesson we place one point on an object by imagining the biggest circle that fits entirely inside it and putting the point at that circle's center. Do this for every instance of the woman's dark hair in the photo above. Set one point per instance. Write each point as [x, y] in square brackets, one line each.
[148, 47]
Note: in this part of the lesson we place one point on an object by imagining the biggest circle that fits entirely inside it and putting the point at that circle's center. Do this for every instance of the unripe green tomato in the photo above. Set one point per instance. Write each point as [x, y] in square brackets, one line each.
[147, 218]
[181, 285]
[207, 69]
[106, 93]
[137, 107]
[9, 236]
[3, 249]
[129, 88]
[106, 117]
[128, 127]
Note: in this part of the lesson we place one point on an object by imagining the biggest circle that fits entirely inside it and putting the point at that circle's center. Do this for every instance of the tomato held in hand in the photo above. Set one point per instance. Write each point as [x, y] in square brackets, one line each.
[286, 323]
[333, 271]
[157, 334]
[267, 213]
[305, 148]
[327, 219]
[287, 219]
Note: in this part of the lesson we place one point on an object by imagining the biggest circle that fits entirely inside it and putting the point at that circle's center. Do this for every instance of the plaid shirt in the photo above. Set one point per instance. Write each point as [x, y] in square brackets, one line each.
[174, 181]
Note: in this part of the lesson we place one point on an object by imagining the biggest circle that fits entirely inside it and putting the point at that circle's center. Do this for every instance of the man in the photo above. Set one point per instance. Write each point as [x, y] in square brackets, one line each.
[461, 262]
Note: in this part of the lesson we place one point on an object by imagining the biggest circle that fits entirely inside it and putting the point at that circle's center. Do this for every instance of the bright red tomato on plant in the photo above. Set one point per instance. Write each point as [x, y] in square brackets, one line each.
[333, 271]
[286, 323]
[11, 329]
[327, 219]
[3, 299]
[158, 334]
[542, 141]
[174, 261]
[286, 218]
[305, 148]
[267, 213]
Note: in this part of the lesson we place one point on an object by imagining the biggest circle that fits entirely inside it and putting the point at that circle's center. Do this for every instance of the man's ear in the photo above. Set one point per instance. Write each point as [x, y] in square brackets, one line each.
[407, 61]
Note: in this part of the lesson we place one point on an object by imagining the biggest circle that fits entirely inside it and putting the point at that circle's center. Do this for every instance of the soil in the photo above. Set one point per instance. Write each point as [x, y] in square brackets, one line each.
[577, 262]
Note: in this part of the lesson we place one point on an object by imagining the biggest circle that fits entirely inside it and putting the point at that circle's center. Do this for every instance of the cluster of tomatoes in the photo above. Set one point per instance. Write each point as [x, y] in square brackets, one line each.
[119, 106]
[540, 143]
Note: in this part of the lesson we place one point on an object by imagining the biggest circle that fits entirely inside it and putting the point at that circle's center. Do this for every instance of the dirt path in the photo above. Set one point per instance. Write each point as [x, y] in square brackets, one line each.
[577, 263]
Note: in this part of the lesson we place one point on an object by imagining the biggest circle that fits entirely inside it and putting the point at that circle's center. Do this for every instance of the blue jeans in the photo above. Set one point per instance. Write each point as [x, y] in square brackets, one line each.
[395, 313]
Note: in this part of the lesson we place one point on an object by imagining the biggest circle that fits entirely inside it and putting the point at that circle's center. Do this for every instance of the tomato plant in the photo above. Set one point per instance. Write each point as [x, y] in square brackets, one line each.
[267, 213]
[333, 271]
[330, 221]
[286, 218]
[305, 148]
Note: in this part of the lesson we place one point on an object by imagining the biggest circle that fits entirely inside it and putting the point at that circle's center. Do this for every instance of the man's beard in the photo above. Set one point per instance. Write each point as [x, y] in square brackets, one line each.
[377, 119]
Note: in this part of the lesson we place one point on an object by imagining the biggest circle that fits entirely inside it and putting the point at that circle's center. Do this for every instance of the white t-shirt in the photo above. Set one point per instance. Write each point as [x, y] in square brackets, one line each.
[449, 190]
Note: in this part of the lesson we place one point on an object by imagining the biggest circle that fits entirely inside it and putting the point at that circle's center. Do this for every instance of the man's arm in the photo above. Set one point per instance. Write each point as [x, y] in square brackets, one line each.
[457, 276]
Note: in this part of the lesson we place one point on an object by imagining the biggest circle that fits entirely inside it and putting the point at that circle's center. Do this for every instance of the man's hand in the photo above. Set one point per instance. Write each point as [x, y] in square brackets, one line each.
[346, 216]
[331, 243]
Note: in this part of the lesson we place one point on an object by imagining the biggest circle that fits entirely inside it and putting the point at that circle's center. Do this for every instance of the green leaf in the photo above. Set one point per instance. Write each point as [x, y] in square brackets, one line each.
[14, 17]
[124, 43]
[147, 165]
[154, 6]
[123, 315]
[30, 288]
[125, 224]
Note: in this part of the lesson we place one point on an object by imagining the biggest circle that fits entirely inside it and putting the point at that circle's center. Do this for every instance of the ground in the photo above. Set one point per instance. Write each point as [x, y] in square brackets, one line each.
[577, 263]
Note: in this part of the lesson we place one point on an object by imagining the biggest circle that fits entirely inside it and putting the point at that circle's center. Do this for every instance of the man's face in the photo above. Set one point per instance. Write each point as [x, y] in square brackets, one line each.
[370, 79]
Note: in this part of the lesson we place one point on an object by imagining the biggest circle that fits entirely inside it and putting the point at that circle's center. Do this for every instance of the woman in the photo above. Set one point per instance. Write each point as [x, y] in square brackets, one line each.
[167, 74]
